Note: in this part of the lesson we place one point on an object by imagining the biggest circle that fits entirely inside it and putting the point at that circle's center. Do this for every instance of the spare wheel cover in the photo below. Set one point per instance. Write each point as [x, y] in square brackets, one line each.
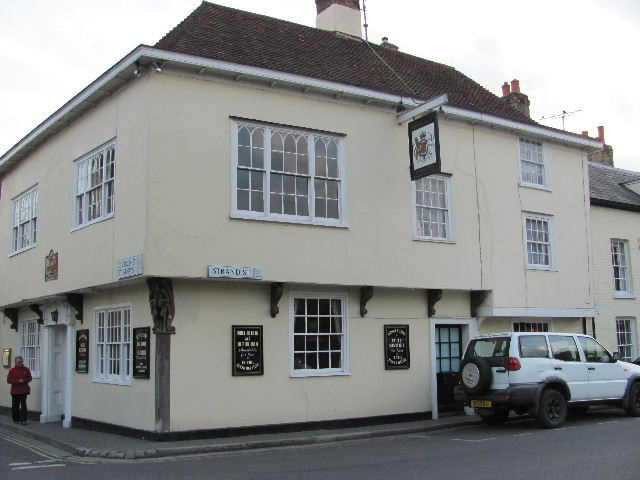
[470, 375]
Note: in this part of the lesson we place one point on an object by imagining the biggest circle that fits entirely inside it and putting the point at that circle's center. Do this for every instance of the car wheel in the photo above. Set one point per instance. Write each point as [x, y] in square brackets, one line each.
[552, 411]
[633, 407]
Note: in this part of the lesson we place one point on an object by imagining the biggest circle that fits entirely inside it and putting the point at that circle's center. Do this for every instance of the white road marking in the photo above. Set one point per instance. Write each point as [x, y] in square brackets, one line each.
[45, 461]
[526, 434]
[31, 467]
[467, 440]
[17, 464]
[418, 435]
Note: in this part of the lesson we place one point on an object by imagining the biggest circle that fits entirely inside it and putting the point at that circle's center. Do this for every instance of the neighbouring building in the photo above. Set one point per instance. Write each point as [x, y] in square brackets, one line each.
[222, 231]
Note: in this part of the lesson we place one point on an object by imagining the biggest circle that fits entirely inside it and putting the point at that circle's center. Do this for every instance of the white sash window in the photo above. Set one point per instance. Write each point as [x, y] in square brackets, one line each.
[24, 221]
[113, 345]
[30, 346]
[95, 186]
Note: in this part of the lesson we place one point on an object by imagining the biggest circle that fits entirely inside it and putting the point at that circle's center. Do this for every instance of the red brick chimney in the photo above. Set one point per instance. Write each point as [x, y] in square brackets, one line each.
[339, 16]
[518, 100]
[606, 154]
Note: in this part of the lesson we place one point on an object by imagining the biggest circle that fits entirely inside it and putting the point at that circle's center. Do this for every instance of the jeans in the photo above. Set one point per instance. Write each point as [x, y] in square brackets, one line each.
[19, 408]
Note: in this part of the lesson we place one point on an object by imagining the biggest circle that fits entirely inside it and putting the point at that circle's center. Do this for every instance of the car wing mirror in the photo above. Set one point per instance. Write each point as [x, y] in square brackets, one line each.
[616, 357]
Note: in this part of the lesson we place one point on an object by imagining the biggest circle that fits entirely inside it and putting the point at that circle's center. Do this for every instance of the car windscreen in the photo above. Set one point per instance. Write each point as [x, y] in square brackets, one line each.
[494, 349]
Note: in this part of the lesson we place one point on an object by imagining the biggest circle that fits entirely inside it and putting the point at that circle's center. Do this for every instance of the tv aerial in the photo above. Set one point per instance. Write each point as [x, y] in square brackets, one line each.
[563, 115]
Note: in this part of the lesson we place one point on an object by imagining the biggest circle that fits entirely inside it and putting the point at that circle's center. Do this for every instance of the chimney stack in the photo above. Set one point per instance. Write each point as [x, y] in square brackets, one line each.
[515, 98]
[605, 155]
[386, 44]
[339, 16]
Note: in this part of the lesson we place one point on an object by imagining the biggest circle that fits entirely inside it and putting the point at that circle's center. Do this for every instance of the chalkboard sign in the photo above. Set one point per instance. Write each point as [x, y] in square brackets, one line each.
[141, 347]
[247, 350]
[396, 347]
[82, 351]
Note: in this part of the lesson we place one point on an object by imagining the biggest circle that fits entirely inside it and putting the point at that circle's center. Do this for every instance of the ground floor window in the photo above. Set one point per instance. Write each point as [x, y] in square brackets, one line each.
[448, 349]
[113, 345]
[624, 334]
[319, 335]
[530, 326]
[30, 351]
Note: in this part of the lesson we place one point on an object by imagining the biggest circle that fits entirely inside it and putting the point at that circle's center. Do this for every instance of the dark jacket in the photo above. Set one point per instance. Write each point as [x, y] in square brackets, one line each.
[19, 387]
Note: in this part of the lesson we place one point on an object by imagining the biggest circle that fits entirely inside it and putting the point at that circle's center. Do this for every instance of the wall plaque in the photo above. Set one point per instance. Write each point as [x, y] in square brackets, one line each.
[424, 147]
[82, 351]
[226, 271]
[247, 350]
[396, 347]
[128, 267]
[141, 348]
[6, 357]
[51, 266]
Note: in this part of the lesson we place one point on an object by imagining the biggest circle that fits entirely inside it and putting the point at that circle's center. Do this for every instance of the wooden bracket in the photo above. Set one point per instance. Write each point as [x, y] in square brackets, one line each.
[366, 293]
[433, 296]
[277, 289]
[476, 298]
[12, 314]
[76, 300]
[35, 308]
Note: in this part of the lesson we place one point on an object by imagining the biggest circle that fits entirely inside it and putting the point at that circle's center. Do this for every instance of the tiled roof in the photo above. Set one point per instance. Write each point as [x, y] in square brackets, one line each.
[236, 36]
[607, 187]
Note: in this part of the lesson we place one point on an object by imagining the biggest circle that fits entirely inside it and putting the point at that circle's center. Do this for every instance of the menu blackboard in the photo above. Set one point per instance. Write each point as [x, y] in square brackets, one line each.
[396, 347]
[247, 350]
[82, 351]
[141, 347]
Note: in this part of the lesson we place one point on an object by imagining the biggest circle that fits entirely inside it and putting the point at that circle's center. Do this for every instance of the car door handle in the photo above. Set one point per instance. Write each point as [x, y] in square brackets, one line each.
[591, 368]
[557, 368]
[501, 370]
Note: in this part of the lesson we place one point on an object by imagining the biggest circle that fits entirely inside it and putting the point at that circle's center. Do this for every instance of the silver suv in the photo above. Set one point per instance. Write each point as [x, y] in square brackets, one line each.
[544, 374]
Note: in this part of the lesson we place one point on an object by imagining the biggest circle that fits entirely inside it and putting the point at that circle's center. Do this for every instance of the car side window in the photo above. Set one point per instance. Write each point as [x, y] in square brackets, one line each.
[593, 351]
[564, 348]
[533, 346]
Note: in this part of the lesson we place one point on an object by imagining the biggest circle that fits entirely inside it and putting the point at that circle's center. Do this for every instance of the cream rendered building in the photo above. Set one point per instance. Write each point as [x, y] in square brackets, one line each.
[195, 155]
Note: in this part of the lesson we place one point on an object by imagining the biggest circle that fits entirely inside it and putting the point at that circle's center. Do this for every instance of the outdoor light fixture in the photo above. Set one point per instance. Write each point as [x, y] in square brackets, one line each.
[136, 71]
[157, 67]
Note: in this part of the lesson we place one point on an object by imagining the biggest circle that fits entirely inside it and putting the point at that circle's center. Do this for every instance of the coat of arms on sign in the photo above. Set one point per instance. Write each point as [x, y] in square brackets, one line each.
[424, 147]
[51, 266]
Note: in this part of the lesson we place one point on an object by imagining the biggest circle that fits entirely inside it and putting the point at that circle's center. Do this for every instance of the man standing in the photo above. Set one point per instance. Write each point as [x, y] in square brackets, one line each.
[19, 378]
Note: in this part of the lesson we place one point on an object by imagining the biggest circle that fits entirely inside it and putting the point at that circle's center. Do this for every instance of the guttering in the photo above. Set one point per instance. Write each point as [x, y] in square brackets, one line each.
[423, 109]
[533, 130]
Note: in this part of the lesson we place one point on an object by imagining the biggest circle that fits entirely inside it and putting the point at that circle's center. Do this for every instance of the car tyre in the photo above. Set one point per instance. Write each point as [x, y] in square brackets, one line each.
[633, 406]
[552, 410]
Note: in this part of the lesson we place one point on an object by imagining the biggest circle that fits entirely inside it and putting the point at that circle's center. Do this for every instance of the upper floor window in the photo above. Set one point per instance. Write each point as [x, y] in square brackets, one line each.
[288, 175]
[95, 186]
[532, 163]
[30, 346]
[432, 208]
[538, 237]
[24, 224]
[620, 263]
[113, 345]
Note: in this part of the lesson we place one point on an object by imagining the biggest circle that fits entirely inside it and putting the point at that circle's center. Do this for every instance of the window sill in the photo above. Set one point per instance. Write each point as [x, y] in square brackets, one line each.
[307, 374]
[26, 249]
[92, 222]
[433, 240]
[542, 269]
[624, 296]
[241, 215]
[535, 187]
[122, 383]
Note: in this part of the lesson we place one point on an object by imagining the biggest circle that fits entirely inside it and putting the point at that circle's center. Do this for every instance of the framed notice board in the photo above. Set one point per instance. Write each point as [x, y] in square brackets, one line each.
[141, 347]
[82, 351]
[396, 347]
[247, 356]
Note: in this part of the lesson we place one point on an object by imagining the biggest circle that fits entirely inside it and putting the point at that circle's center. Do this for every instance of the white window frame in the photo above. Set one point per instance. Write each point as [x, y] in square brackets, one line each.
[450, 238]
[266, 215]
[632, 336]
[529, 322]
[628, 292]
[96, 361]
[545, 165]
[346, 363]
[552, 257]
[85, 162]
[30, 196]
[26, 345]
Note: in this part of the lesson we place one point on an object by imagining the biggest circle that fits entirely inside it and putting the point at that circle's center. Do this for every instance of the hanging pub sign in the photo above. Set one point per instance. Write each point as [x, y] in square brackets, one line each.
[396, 347]
[424, 147]
[141, 347]
[82, 351]
[51, 266]
[247, 350]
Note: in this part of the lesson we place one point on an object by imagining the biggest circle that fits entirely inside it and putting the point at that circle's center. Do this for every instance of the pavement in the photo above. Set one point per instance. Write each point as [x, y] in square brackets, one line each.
[92, 444]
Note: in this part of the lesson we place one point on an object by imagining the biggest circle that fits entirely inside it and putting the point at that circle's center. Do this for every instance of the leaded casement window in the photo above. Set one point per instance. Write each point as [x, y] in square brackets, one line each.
[94, 186]
[287, 175]
[318, 335]
[24, 221]
[538, 241]
[625, 334]
[432, 208]
[113, 345]
[532, 163]
[30, 346]
[530, 326]
[620, 264]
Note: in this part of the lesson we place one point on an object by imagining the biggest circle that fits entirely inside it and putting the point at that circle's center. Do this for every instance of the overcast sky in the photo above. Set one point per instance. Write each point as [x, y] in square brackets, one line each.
[568, 54]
